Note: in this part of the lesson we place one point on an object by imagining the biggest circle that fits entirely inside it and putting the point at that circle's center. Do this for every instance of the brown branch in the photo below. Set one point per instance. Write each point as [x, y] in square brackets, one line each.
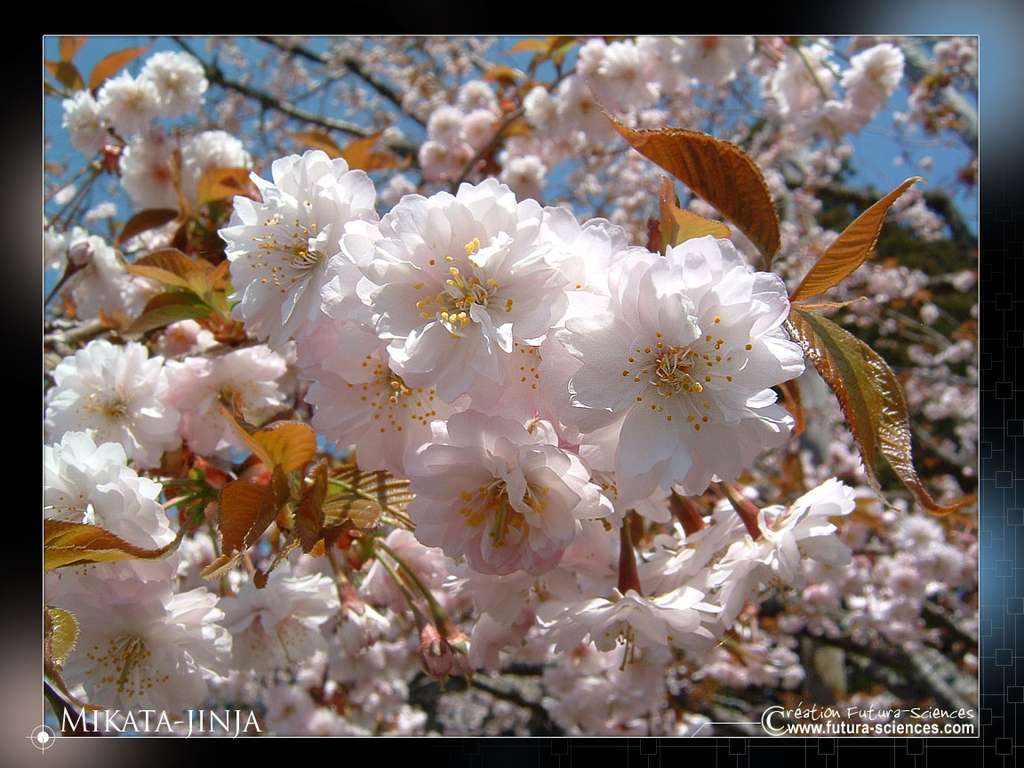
[936, 615]
[913, 666]
[66, 714]
[354, 66]
[919, 66]
[489, 147]
[216, 75]
[64, 341]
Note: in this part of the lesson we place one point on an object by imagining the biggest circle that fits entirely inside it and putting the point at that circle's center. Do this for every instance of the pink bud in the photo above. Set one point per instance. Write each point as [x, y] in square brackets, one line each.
[435, 653]
[80, 254]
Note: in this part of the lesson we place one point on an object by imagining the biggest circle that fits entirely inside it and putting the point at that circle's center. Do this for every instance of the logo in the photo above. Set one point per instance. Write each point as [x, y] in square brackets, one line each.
[772, 721]
[42, 737]
[826, 721]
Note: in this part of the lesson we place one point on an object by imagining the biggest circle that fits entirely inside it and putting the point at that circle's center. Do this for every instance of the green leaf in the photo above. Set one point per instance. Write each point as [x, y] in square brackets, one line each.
[505, 75]
[309, 516]
[534, 45]
[361, 155]
[871, 399]
[165, 309]
[678, 225]
[112, 64]
[178, 270]
[316, 140]
[69, 46]
[246, 511]
[61, 633]
[221, 183]
[364, 496]
[174, 261]
[287, 444]
[66, 543]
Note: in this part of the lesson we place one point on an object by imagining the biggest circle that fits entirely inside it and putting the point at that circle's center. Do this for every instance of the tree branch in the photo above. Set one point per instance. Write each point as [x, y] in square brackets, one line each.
[427, 691]
[354, 66]
[489, 147]
[65, 341]
[216, 75]
[913, 665]
[919, 66]
[936, 615]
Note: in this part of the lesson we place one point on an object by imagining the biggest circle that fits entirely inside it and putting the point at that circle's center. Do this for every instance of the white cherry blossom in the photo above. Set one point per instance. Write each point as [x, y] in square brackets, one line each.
[153, 650]
[279, 248]
[118, 394]
[504, 497]
[278, 625]
[714, 60]
[129, 103]
[179, 80]
[673, 619]
[676, 375]
[460, 280]
[244, 378]
[84, 119]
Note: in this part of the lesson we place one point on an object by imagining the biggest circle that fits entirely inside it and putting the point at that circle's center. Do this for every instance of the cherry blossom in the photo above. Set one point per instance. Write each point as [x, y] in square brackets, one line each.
[461, 279]
[118, 394]
[504, 497]
[279, 248]
[676, 371]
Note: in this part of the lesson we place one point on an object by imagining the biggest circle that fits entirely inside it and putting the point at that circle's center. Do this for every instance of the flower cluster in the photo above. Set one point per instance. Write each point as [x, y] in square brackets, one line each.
[169, 85]
[538, 438]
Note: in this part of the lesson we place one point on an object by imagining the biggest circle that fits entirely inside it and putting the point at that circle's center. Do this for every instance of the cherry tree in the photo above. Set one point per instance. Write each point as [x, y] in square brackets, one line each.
[474, 386]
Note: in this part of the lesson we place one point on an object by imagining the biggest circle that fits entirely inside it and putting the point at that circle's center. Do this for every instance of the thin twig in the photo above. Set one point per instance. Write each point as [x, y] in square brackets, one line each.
[82, 332]
[216, 75]
[354, 66]
[810, 69]
[489, 147]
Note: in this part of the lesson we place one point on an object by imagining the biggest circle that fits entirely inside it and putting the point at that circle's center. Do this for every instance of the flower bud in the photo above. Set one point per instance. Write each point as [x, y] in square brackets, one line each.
[111, 157]
[81, 253]
[435, 653]
[686, 513]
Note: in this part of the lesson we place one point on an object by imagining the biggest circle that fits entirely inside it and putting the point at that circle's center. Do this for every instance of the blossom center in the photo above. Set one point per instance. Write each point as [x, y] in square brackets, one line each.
[673, 372]
[230, 397]
[113, 409]
[492, 502]
[135, 100]
[683, 370]
[303, 258]
[452, 306]
[392, 402]
[128, 656]
[300, 258]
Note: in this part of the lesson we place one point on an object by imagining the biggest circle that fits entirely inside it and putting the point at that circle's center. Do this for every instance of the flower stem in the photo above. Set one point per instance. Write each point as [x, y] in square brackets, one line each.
[686, 513]
[745, 508]
[409, 597]
[629, 577]
[439, 614]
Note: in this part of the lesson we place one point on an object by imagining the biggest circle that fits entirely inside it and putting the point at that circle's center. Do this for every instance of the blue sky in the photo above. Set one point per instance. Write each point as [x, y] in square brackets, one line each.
[876, 147]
